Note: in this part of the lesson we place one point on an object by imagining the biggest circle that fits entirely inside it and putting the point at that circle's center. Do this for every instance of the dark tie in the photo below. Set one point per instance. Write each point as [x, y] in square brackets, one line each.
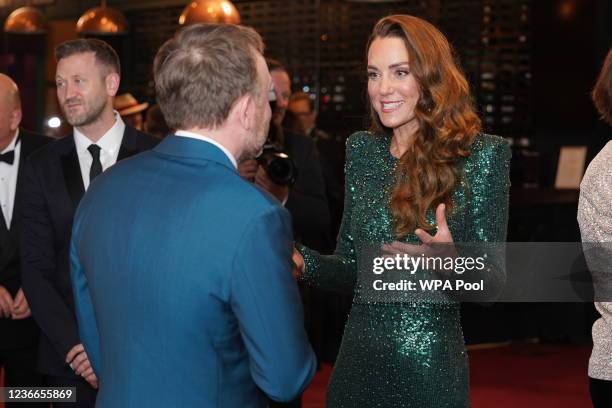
[8, 157]
[96, 165]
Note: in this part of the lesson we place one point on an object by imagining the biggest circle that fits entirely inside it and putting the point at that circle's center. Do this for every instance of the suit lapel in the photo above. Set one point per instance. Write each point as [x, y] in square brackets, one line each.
[24, 151]
[72, 168]
[4, 232]
[72, 174]
[128, 143]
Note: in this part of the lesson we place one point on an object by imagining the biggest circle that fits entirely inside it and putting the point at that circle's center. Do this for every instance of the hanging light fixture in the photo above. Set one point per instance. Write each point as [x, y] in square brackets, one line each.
[209, 11]
[102, 20]
[26, 20]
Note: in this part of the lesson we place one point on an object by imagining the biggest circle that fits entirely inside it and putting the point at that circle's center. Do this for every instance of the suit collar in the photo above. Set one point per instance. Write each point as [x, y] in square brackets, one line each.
[230, 156]
[129, 143]
[110, 142]
[191, 148]
[72, 169]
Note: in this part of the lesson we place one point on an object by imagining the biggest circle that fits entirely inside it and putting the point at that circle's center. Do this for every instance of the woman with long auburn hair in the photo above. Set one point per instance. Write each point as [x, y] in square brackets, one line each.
[424, 174]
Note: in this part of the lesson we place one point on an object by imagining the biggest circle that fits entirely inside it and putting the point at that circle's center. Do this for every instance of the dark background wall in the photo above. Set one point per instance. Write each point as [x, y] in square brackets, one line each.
[531, 63]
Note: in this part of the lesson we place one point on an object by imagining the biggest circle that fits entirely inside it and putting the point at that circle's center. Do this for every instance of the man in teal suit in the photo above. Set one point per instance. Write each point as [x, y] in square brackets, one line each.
[181, 270]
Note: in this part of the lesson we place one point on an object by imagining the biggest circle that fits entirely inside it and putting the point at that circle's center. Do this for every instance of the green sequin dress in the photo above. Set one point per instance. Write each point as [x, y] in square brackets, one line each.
[400, 353]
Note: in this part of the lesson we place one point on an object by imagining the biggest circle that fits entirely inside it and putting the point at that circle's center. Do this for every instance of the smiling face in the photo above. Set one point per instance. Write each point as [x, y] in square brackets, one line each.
[392, 88]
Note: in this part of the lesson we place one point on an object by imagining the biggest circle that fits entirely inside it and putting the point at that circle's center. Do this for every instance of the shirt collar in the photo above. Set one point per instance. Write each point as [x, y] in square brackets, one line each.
[110, 142]
[185, 133]
[12, 145]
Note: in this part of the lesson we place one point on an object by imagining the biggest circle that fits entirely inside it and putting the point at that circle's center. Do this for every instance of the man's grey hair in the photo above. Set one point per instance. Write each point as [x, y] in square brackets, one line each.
[202, 71]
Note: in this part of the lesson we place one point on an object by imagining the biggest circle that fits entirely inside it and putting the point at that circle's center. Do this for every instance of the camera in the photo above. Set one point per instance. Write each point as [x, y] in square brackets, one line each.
[277, 164]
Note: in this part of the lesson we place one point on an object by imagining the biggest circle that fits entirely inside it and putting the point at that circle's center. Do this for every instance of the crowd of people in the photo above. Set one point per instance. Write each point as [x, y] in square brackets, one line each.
[158, 260]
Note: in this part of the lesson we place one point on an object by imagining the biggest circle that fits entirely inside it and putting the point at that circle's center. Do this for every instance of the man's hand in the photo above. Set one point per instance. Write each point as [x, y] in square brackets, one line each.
[247, 169]
[80, 364]
[21, 308]
[6, 302]
[263, 181]
[92, 380]
[298, 264]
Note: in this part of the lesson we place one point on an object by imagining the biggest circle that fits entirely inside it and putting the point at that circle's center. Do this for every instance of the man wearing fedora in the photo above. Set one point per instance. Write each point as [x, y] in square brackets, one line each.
[130, 110]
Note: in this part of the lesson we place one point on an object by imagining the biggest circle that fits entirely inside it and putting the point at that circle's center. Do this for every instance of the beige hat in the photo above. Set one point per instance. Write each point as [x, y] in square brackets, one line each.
[127, 105]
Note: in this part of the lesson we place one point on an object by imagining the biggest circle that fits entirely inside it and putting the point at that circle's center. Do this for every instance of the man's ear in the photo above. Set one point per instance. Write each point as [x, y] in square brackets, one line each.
[245, 111]
[112, 81]
[15, 119]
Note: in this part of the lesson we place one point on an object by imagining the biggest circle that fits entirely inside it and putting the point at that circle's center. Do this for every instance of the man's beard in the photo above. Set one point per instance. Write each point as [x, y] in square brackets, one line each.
[257, 140]
[89, 116]
[256, 144]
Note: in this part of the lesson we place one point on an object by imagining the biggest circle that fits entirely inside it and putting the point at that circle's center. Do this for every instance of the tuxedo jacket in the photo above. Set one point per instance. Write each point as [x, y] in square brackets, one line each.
[52, 189]
[197, 306]
[16, 333]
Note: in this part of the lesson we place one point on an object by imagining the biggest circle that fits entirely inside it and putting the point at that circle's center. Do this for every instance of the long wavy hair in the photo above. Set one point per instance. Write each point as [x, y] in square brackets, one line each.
[427, 173]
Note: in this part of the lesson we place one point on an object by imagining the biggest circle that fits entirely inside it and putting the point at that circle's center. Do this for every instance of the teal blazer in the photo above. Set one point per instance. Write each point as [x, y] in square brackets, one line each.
[181, 273]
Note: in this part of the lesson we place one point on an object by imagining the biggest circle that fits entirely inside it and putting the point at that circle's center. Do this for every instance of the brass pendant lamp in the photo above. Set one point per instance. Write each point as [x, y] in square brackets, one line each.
[210, 11]
[26, 20]
[102, 21]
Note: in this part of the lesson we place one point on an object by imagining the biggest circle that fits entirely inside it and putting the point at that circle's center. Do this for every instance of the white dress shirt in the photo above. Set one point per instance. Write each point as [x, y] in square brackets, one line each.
[185, 133]
[8, 181]
[109, 143]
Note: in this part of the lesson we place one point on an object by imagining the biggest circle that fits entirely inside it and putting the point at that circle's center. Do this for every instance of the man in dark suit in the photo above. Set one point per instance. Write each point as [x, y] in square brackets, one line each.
[18, 331]
[55, 179]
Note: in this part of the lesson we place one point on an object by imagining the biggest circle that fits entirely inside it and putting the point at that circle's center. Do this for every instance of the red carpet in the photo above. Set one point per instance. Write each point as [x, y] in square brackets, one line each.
[516, 376]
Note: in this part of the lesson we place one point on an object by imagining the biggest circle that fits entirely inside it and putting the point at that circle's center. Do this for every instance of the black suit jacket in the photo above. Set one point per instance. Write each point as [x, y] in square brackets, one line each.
[307, 201]
[16, 333]
[52, 189]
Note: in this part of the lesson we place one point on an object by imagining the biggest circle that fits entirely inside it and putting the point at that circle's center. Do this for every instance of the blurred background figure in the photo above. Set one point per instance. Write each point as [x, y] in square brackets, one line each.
[131, 110]
[595, 219]
[155, 124]
[18, 331]
[301, 118]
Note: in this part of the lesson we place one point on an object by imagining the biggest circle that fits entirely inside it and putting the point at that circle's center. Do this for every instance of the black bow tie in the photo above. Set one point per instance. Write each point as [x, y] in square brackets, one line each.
[8, 157]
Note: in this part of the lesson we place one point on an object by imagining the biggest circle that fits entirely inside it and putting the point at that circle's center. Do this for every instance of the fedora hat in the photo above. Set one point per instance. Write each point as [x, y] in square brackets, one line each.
[127, 105]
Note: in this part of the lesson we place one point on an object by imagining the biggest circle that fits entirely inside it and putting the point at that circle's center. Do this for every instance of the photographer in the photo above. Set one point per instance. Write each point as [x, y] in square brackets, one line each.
[305, 198]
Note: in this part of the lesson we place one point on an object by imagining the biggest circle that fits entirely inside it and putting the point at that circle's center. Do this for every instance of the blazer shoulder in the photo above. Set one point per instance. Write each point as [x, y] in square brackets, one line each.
[51, 149]
[258, 199]
[141, 140]
[33, 138]
[299, 146]
[298, 139]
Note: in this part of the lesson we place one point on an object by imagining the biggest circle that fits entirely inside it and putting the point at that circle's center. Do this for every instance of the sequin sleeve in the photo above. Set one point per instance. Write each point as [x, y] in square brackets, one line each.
[337, 272]
[489, 184]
